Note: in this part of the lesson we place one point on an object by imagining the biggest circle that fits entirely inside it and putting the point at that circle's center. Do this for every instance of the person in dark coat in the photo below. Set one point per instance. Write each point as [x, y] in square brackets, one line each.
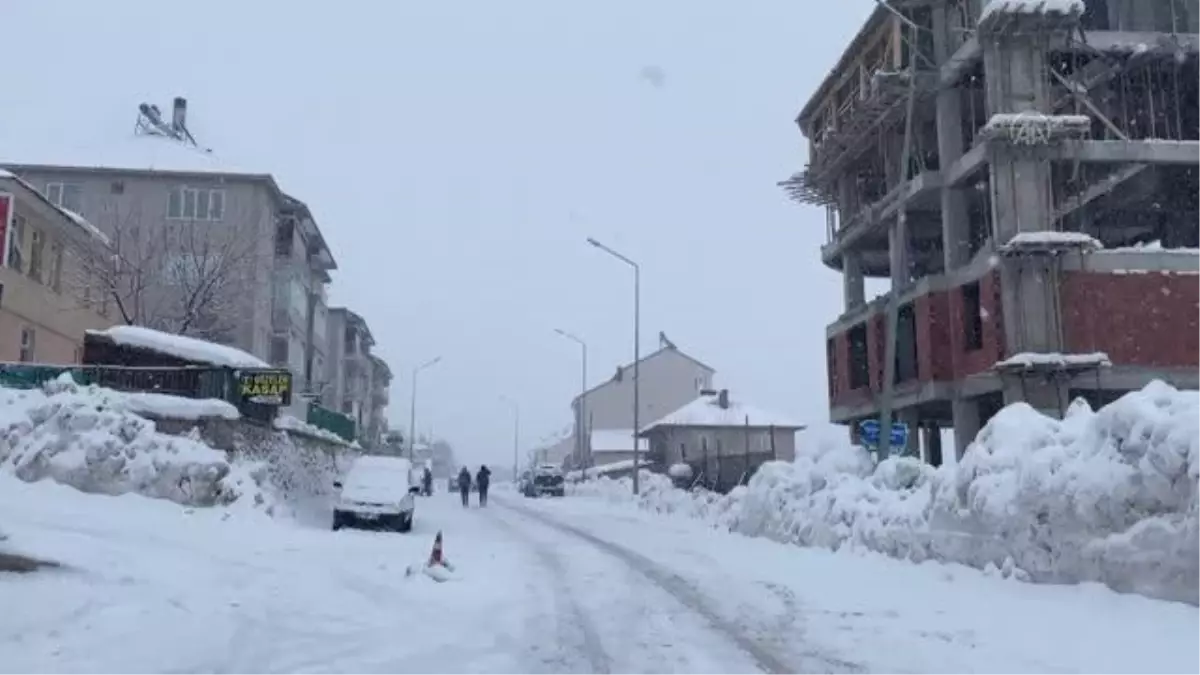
[464, 485]
[482, 479]
[427, 482]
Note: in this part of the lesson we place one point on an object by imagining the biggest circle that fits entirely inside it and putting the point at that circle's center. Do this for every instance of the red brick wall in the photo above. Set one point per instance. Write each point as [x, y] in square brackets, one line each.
[968, 362]
[941, 351]
[1149, 319]
[875, 350]
[935, 359]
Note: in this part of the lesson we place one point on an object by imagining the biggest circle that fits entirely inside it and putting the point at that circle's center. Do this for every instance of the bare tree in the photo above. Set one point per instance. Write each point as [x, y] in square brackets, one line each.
[189, 277]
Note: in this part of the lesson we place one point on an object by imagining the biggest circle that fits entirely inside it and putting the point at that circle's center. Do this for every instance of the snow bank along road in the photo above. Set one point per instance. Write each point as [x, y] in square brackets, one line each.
[570, 585]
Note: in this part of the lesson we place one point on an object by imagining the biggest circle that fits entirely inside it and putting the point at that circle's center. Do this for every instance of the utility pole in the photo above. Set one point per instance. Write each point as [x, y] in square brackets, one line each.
[412, 411]
[516, 434]
[581, 409]
[637, 357]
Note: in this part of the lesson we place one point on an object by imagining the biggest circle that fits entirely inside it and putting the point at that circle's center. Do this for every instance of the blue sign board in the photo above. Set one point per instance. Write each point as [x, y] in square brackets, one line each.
[869, 431]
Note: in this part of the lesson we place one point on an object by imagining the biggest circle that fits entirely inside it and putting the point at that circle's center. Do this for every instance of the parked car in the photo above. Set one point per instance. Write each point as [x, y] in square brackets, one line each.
[545, 479]
[378, 493]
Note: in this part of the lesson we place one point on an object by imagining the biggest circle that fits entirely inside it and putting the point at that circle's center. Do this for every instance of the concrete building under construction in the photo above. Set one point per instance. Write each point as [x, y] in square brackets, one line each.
[1025, 174]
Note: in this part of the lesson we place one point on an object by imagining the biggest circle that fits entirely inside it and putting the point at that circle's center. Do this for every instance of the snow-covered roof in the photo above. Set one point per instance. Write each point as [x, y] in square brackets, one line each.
[180, 346]
[1155, 246]
[77, 219]
[615, 440]
[178, 407]
[86, 225]
[706, 411]
[627, 369]
[122, 149]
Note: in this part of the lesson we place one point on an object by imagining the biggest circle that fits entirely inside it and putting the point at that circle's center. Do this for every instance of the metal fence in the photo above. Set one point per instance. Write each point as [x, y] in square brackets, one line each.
[324, 418]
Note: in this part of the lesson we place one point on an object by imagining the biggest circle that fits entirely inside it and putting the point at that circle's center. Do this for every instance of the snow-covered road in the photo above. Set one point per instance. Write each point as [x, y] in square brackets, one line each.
[570, 585]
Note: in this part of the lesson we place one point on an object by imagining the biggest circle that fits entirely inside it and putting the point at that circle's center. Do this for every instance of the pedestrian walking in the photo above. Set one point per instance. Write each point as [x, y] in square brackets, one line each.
[464, 485]
[427, 482]
[482, 480]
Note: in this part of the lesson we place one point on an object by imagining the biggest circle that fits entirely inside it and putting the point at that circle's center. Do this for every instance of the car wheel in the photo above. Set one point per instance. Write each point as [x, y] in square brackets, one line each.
[338, 521]
[405, 524]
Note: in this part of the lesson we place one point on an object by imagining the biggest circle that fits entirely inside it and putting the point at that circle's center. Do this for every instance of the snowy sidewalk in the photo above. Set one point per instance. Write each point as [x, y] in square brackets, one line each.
[152, 587]
[887, 615]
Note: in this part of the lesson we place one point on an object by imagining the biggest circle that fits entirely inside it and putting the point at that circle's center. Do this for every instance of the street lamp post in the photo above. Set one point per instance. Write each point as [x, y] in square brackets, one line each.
[580, 444]
[637, 327]
[516, 433]
[412, 411]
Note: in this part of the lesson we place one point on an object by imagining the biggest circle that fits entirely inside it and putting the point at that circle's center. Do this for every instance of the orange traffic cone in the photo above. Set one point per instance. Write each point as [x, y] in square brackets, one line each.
[435, 556]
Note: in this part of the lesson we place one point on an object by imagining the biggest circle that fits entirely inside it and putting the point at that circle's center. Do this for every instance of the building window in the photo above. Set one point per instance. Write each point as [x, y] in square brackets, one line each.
[36, 245]
[972, 317]
[187, 203]
[55, 261]
[278, 351]
[28, 337]
[285, 237]
[348, 339]
[16, 243]
[66, 195]
[860, 367]
[183, 269]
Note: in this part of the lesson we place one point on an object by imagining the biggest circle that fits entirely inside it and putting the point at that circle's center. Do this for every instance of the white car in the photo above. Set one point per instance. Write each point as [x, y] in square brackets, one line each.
[377, 492]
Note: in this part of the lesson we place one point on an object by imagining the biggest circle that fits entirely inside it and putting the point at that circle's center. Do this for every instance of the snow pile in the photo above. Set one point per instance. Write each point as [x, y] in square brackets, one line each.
[96, 440]
[1107, 496]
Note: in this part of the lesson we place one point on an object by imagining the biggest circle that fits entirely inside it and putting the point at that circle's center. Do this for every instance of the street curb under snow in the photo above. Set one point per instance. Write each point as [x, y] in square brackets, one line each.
[1107, 496]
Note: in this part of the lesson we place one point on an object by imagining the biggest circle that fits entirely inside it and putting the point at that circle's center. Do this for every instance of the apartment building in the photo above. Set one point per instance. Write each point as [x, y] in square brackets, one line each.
[356, 381]
[182, 223]
[47, 294]
[1025, 175]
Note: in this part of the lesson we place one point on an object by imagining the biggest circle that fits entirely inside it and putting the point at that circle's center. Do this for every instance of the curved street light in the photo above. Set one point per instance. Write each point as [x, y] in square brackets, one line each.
[412, 412]
[637, 319]
[581, 411]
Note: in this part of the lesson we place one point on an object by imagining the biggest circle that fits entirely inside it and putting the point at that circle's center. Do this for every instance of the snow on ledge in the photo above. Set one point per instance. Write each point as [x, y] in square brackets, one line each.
[179, 408]
[296, 425]
[1155, 246]
[1026, 360]
[190, 349]
[1030, 241]
[1009, 120]
[87, 226]
[1064, 7]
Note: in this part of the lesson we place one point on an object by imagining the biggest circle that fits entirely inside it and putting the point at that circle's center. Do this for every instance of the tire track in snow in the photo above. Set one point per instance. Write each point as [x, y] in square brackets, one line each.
[593, 650]
[678, 587]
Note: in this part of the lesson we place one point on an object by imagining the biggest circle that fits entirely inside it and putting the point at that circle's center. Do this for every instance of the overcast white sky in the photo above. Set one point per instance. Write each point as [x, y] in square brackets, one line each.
[457, 154]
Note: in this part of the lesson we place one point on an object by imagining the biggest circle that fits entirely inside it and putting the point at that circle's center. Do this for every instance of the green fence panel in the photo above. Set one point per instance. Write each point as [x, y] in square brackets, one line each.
[326, 419]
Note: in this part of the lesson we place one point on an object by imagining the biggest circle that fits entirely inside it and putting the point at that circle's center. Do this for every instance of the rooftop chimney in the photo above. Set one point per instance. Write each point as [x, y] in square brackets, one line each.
[179, 117]
[723, 398]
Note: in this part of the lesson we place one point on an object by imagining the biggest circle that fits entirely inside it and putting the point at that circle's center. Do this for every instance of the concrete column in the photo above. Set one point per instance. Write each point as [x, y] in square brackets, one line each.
[956, 231]
[966, 423]
[899, 256]
[933, 444]
[912, 418]
[1047, 396]
[853, 290]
